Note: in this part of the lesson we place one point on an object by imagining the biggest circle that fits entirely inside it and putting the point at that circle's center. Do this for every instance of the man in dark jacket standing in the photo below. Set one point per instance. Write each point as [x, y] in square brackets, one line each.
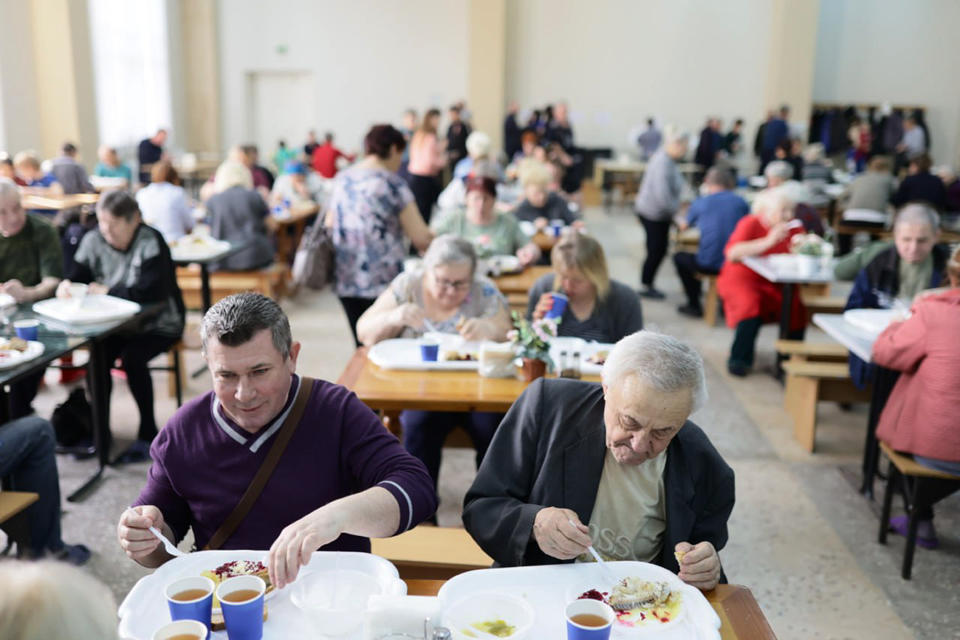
[616, 465]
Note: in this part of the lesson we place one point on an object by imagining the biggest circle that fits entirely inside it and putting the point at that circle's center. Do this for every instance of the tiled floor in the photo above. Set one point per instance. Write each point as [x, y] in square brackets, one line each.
[801, 537]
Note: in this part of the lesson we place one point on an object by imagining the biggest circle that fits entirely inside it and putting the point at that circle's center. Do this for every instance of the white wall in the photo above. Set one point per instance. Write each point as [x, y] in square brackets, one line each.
[371, 59]
[617, 61]
[873, 51]
[19, 123]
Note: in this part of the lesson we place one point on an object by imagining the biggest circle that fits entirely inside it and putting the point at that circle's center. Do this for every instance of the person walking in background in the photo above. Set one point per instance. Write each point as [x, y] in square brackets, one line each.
[649, 140]
[427, 160]
[150, 151]
[370, 211]
[658, 201]
[775, 132]
[457, 133]
[325, 157]
[310, 145]
[511, 131]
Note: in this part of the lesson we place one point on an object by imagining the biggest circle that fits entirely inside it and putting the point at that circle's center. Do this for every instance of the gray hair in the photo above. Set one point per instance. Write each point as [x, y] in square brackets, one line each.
[9, 190]
[916, 213]
[776, 197]
[54, 601]
[720, 177]
[236, 319]
[779, 169]
[662, 361]
[450, 249]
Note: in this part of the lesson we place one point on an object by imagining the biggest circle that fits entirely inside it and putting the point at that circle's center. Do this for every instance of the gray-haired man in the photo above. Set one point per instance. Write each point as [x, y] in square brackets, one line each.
[621, 457]
[341, 479]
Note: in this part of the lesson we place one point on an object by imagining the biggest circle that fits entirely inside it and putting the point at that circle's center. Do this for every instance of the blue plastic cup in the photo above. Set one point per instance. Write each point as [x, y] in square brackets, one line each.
[556, 227]
[429, 351]
[180, 629]
[559, 305]
[593, 609]
[27, 329]
[244, 619]
[197, 608]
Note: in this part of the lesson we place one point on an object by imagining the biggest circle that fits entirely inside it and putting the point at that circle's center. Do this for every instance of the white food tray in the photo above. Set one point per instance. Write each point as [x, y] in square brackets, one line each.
[9, 359]
[188, 249]
[404, 353]
[93, 309]
[144, 610]
[550, 588]
[872, 321]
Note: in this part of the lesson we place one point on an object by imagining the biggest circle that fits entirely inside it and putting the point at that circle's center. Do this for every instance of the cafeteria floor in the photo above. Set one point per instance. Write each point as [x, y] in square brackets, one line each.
[801, 537]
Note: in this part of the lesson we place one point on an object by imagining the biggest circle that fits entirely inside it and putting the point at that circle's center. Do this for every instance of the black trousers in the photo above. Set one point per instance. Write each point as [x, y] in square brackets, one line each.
[426, 190]
[688, 268]
[22, 394]
[743, 349]
[136, 352]
[354, 308]
[658, 238]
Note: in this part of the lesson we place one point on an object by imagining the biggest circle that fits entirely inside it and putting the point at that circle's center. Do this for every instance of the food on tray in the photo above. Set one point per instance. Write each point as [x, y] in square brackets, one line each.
[452, 355]
[13, 344]
[599, 357]
[497, 628]
[639, 602]
[194, 241]
[232, 569]
[679, 556]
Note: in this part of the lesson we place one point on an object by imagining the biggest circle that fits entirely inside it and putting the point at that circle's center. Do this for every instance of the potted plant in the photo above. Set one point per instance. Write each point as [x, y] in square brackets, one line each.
[531, 340]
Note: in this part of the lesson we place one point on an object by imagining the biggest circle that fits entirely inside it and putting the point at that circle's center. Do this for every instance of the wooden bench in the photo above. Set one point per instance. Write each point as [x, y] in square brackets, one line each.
[432, 553]
[800, 350]
[809, 382]
[13, 517]
[270, 281]
[517, 302]
[711, 302]
[922, 487]
[823, 304]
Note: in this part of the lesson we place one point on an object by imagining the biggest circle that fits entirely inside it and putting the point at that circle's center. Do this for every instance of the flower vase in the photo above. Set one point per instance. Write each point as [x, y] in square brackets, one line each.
[533, 368]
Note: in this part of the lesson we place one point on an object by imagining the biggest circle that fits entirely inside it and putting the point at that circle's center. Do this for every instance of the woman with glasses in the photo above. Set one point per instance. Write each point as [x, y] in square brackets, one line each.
[448, 296]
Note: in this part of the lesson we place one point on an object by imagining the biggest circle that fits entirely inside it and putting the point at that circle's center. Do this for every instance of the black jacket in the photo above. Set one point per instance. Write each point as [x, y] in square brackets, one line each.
[549, 452]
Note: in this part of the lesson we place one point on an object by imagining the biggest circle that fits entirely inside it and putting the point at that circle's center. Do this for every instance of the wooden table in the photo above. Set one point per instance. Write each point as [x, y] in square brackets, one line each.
[390, 391]
[289, 229]
[521, 282]
[740, 616]
[545, 241]
[58, 202]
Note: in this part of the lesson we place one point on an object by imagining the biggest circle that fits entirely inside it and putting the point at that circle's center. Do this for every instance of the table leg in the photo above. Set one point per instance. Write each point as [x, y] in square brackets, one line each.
[883, 381]
[786, 311]
[98, 369]
[206, 301]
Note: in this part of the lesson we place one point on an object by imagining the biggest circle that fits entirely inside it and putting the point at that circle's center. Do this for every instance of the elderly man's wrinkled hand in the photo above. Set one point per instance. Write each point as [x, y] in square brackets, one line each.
[699, 564]
[297, 542]
[560, 534]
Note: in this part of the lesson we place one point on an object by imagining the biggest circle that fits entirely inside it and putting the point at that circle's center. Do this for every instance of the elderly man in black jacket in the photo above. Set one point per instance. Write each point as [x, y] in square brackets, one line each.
[621, 457]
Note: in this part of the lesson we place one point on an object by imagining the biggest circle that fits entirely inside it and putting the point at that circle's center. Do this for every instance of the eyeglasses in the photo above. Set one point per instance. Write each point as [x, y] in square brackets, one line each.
[456, 285]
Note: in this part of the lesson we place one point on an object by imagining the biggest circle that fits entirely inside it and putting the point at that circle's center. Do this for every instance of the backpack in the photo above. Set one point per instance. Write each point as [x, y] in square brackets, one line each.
[313, 264]
[73, 420]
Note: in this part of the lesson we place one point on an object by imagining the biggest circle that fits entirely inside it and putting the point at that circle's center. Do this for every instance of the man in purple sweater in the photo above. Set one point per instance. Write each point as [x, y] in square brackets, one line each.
[341, 480]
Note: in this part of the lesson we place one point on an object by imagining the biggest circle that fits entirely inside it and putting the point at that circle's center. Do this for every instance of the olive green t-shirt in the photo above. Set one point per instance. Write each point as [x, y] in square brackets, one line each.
[31, 255]
[503, 236]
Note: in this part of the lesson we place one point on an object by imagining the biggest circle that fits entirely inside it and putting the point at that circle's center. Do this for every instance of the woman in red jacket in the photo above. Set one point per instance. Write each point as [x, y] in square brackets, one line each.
[749, 299]
[920, 417]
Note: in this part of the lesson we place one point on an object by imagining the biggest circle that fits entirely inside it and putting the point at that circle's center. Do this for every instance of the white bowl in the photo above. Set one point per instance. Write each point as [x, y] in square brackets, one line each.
[484, 606]
[335, 599]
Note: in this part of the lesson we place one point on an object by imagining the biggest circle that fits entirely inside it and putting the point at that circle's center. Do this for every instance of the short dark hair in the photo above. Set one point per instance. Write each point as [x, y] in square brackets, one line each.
[68, 148]
[738, 121]
[119, 204]
[236, 319]
[923, 162]
[381, 138]
[328, 136]
[456, 108]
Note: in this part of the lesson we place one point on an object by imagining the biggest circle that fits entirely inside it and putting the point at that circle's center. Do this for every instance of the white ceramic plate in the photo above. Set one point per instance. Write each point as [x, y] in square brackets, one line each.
[144, 610]
[872, 321]
[93, 309]
[404, 353]
[11, 358]
[193, 247]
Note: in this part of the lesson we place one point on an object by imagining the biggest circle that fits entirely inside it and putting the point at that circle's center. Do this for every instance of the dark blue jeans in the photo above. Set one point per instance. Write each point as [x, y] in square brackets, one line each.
[425, 431]
[26, 455]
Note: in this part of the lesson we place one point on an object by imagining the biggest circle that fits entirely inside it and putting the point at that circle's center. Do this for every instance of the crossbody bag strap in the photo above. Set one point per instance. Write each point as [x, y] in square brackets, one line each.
[266, 469]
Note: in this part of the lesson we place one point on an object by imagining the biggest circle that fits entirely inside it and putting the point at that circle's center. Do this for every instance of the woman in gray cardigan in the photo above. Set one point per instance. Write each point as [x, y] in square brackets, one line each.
[238, 215]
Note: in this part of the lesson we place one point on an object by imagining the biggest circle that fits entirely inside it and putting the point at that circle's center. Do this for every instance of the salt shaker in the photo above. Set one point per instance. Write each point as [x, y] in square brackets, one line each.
[574, 365]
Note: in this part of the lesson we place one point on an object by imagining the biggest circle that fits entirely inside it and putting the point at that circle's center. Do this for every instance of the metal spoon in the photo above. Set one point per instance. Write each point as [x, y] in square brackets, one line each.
[169, 546]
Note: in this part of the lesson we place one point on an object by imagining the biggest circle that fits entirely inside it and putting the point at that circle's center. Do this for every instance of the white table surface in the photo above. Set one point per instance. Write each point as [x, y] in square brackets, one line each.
[859, 342]
[765, 267]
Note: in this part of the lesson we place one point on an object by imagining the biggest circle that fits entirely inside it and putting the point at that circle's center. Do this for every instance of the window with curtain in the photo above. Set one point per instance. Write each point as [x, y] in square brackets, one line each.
[131, 69]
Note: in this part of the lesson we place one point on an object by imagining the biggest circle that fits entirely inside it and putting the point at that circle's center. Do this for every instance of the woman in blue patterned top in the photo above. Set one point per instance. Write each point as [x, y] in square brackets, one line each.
[370, 211]
[446, 296]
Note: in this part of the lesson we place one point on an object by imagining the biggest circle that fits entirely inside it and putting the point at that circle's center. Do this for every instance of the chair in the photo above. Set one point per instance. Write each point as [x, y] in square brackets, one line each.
[174, 367]
[711, 302]
[13, 518]
[922, 487]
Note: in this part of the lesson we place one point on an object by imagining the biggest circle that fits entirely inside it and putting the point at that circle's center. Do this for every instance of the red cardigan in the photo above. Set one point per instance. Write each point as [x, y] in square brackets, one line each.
[922, 415]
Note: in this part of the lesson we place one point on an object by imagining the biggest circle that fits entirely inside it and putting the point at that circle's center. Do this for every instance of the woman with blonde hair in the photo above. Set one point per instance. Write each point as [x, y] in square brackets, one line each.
[238, 215]
[54, 601]
[540, 204]
[598, 308]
